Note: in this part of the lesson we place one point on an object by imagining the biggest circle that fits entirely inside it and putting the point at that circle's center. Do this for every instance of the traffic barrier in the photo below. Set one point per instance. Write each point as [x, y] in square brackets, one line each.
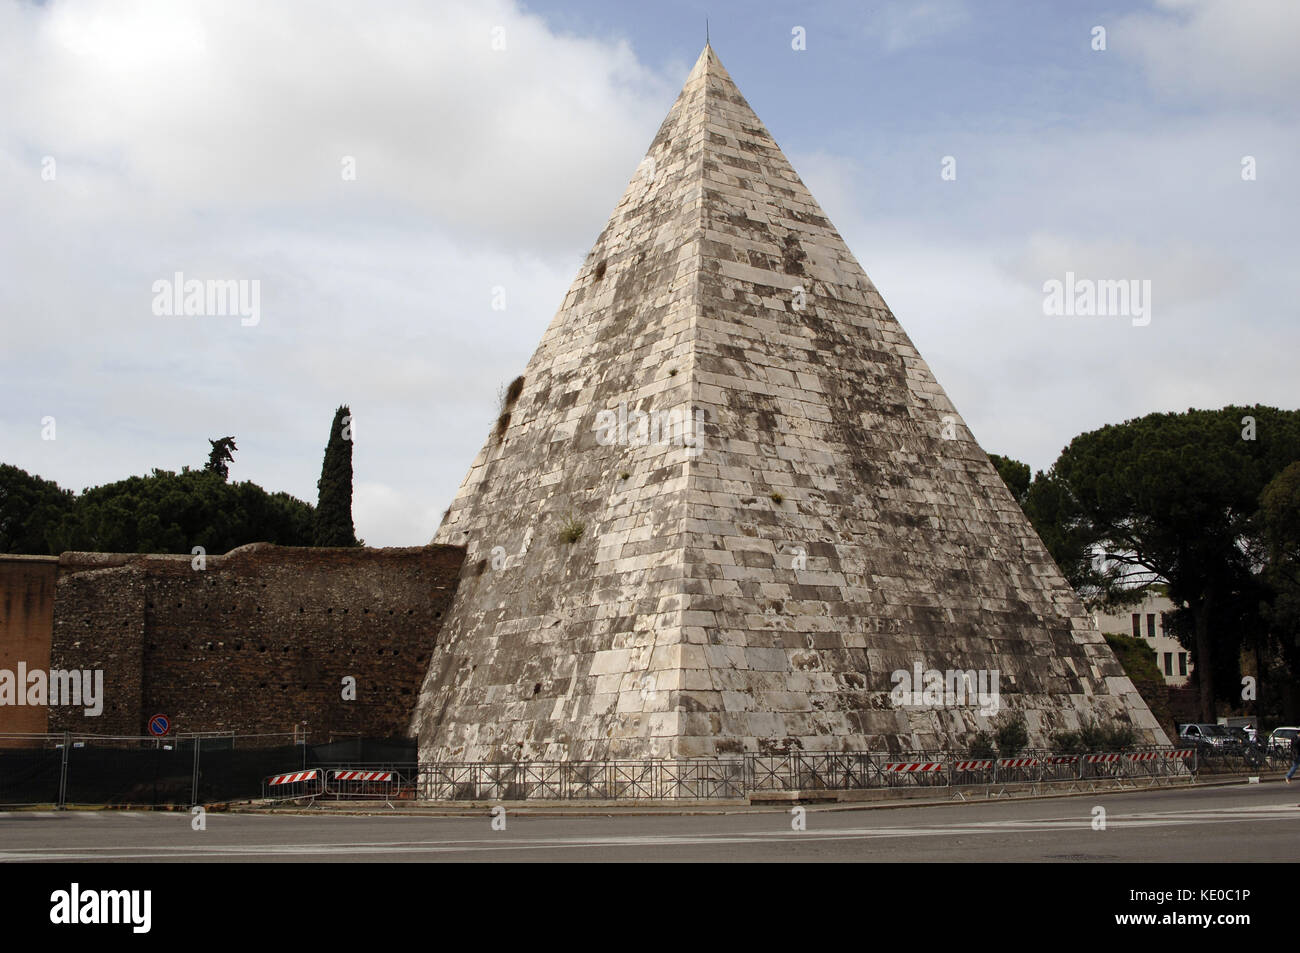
[294, 785]
[372, 785]
[922, 773]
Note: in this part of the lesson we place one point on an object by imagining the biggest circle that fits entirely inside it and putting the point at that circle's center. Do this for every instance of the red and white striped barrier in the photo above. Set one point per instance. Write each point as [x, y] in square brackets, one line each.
[1017, 762]
[1102, 758]
[1181, 753]
[293, 778]
[972, 765]
[911, 767]
[363, 775]
[1143, 755]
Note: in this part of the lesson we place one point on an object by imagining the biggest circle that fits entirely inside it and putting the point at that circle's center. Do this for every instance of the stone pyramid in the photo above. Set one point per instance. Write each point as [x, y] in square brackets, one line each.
[730, 501]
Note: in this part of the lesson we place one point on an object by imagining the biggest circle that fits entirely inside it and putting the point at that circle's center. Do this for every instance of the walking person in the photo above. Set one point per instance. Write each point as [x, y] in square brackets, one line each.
[1295, 757]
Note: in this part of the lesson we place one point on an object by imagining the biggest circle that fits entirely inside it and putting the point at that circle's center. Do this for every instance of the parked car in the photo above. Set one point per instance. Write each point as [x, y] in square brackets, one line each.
[1279, 741]
[1206, 735]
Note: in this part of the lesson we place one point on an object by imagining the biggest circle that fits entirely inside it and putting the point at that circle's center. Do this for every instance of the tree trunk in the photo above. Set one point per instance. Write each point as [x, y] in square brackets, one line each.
[1204, 661]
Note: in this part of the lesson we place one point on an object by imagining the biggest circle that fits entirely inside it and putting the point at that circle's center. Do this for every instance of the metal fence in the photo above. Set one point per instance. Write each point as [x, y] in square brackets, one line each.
[176, 770]
[185, 770]
[738, 778]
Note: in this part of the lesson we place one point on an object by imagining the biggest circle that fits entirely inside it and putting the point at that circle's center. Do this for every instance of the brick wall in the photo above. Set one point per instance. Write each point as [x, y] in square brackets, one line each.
[258, 641]
[26, 608]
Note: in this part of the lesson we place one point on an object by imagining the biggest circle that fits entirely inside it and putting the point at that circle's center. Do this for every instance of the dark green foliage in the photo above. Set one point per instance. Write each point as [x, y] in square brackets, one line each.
[1093, 737]
[514, 390]
[1171, 498]
[170, 512]
[1014, 474]
[222, 455]
[334, 504]
[29, 508]
[1011, 735]
[1138, 659]
[982, 746]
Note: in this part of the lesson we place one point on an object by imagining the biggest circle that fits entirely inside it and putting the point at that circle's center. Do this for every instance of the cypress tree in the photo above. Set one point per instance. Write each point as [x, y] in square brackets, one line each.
[334, 502]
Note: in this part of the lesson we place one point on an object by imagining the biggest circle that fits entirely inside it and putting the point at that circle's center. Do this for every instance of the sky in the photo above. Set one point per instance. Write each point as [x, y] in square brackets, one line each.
[388, 172]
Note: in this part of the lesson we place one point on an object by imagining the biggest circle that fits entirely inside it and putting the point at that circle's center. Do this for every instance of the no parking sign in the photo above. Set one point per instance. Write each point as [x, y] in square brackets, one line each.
[159, 725]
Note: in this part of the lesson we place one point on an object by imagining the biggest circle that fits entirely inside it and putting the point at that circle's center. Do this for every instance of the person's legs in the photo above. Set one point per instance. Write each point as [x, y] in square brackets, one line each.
[1294, 765]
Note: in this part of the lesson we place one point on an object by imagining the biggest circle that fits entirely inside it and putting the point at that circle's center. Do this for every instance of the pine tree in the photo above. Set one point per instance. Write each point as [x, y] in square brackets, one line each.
[334, 503]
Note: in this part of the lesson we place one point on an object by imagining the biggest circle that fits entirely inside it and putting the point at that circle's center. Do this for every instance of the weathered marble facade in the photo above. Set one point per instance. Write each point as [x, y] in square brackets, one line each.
[652, 586]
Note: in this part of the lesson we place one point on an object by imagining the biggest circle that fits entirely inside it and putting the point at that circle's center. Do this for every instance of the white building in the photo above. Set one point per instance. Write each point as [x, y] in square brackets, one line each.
[1146, 621]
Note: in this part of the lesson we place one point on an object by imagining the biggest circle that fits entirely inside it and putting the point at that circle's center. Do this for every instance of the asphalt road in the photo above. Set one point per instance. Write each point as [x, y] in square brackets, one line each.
[1242, 823]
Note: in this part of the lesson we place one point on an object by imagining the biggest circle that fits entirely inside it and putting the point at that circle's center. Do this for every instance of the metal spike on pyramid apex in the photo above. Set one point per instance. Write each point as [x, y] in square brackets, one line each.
[731, 510]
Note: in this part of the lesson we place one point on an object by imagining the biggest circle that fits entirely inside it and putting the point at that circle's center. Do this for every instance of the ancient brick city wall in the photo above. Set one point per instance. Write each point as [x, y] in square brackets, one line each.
[260, 640]
[26, 608]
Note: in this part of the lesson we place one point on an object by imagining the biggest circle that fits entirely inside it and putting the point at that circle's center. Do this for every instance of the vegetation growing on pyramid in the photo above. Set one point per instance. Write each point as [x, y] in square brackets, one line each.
[506, 399]
[333, 526]
[571, 529]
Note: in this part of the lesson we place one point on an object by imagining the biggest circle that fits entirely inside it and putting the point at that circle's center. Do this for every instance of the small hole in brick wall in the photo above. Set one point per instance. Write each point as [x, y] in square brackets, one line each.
[437, 615]
[406, 691]
[380, 652]
[261, 684]
[365, 612]
[239, 646]
[300, 609]
[329, 611]
[286, 648]
[149, 605]
[261, 648]
[283, 687]
[390, 612]
[537, 688]
[410, 612]
[394, 651]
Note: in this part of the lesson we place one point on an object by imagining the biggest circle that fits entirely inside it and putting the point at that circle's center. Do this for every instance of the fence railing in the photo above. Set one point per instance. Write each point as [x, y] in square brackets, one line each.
[737, 778]
[177, 769]
[64, 769]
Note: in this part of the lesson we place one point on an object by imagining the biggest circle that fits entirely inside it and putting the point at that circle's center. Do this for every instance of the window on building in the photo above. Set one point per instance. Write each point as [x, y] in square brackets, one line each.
[1169, 663]
[1151, 625]
[1137, 625]
[1182, 663]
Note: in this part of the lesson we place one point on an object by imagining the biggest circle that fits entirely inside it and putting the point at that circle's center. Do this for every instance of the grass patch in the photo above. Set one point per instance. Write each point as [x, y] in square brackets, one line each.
[571, 529]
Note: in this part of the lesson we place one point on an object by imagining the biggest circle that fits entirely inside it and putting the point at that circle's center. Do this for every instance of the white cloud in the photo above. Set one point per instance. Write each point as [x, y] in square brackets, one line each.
[1238, 50]
[207, 138]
